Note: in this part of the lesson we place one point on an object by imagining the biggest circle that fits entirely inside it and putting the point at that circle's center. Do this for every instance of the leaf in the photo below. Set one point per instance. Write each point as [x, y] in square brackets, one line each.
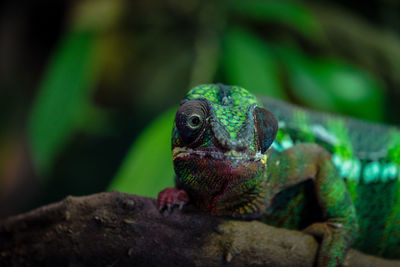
[147, 169]
[333, 85]
[290, 13]
[62, 97]
[248, 62]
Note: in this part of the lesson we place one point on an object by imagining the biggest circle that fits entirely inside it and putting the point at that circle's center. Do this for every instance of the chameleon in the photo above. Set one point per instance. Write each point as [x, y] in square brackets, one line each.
[333, 177]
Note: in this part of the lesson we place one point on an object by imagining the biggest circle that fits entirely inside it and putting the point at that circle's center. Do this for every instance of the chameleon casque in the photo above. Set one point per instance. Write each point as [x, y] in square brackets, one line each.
[335, 177]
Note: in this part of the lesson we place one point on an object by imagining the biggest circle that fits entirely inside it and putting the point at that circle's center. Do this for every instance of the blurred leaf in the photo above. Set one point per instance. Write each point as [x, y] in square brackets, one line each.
[290, 13]
[248, 62]
[62, 97]
[147, 169]
[333, 85]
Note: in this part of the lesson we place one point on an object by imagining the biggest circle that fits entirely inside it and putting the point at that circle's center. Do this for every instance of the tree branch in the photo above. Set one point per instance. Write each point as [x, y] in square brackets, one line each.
[121, 229]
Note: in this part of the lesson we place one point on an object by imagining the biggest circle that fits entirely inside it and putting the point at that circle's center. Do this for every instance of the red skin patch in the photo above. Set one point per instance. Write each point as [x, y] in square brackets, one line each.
[170, 197]
[216, 181]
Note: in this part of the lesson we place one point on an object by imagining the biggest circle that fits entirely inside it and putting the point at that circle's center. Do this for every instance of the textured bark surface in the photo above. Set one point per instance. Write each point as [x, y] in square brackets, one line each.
[114, 229]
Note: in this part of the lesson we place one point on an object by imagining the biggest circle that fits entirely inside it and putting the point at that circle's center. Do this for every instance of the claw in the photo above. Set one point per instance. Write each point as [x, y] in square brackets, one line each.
[171, 197]
[161, 208]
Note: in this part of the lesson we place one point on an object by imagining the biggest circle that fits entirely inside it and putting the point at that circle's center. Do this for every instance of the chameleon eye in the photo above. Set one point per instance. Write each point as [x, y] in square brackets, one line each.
[195, 121]
[266, 126]
[190, 119]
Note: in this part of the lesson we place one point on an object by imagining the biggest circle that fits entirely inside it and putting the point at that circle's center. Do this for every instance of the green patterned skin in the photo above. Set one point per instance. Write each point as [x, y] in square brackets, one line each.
[233, 114]
[367, 157]
[333, 177]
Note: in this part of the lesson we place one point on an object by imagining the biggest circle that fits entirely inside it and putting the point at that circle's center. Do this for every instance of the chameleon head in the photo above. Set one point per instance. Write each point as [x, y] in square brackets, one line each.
[219, 144]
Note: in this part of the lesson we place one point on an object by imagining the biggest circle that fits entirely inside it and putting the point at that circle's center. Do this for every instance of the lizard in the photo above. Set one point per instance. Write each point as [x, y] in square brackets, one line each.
[333, 177]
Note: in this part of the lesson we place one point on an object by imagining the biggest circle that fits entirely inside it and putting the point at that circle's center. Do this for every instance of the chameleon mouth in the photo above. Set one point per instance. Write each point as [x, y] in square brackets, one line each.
[231, 155]
[212, 174]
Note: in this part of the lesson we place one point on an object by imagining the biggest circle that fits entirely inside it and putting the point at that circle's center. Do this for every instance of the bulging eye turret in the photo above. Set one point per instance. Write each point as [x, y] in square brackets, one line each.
[190, 120]
[266, 126]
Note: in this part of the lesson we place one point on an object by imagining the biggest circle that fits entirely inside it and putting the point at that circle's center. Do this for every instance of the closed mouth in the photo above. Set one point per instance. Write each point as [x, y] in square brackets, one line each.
[232, 155]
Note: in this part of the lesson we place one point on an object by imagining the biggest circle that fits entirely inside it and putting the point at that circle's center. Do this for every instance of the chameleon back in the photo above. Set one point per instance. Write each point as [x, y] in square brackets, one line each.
[367, 156]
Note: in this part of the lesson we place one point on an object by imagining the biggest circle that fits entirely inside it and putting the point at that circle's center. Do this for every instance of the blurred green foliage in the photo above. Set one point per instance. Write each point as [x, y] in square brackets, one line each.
[248, 61]
[63, 98]
[150, 158]
[290, 13]
[332, 85]
[142, 60]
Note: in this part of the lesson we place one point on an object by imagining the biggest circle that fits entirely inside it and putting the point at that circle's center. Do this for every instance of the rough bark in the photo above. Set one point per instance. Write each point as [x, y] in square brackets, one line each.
[114, 229]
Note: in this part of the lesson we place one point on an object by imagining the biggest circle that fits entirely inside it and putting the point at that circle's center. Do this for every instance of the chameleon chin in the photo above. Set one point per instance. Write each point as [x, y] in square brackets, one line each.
[230, 159]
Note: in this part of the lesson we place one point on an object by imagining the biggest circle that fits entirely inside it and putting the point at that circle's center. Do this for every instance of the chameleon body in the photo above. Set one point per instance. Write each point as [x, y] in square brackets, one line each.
[333, 177]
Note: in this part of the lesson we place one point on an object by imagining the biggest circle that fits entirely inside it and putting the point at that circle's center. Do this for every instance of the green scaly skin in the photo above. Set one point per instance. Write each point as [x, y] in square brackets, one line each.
[312, 174]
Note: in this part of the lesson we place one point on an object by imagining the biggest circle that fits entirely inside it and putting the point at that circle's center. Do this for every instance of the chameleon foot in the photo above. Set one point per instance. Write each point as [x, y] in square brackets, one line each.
[170, 197]
[334, 242]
